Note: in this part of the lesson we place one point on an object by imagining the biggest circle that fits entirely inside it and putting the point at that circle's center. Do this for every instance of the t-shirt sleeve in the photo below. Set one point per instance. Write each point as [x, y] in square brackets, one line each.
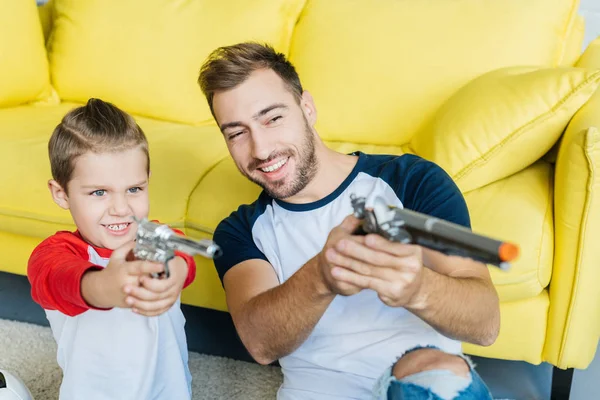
[189, 260]
[55, 270]
[234, 236]
[430, 190]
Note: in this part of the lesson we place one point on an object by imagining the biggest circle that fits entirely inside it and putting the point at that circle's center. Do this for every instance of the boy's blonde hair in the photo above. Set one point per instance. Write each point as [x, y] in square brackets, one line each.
[98, 127]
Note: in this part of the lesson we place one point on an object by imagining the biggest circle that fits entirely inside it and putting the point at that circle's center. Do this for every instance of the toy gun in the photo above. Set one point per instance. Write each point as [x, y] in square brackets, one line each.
[407, 226]
[156, 242]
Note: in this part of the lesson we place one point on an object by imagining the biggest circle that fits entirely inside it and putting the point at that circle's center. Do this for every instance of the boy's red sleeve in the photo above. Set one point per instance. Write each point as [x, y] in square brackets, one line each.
[55, 269]
[189, 261]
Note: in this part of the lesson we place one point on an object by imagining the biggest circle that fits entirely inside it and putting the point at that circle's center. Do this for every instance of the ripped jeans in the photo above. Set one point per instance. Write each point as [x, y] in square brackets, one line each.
[435, 384]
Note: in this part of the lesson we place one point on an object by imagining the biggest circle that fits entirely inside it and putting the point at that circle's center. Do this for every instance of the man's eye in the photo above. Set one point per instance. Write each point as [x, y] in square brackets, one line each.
[234, 135]
[98, 193]
[135, 189]
[275, 119]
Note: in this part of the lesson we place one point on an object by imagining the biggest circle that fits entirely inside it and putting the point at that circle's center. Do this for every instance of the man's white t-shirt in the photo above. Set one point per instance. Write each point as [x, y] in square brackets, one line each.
[358, 336]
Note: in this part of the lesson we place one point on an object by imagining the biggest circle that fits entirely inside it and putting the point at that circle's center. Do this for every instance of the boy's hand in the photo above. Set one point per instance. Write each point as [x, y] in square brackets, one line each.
[107, 288]
[155, 296]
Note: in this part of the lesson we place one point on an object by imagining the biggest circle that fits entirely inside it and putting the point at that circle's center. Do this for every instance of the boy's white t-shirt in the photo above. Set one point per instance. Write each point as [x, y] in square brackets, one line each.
[118, 354]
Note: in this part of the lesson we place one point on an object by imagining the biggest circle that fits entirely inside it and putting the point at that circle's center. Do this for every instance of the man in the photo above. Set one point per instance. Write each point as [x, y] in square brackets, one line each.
[347, 316]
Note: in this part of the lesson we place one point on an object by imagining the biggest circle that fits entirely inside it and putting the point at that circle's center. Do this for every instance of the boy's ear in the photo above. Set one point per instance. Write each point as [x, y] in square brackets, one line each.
[58, 194]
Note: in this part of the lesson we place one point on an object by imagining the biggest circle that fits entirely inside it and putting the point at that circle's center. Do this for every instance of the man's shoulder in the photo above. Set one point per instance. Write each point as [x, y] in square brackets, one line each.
[382, 163]
[245, 216]
[399, 170]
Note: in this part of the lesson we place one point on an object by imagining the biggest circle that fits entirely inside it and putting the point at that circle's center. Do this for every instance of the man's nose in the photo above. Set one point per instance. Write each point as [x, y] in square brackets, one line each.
[263, 145]
[119, 206]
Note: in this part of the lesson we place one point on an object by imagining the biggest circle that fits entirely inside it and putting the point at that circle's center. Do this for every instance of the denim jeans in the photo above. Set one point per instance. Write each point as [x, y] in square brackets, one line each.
[432, 385]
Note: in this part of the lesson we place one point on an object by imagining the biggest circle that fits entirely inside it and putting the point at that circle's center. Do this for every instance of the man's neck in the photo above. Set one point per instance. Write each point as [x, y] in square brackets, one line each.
[333, 168]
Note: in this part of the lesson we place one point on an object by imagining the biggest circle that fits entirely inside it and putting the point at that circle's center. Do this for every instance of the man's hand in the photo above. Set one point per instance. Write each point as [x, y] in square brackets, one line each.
[155, 296]
[328, 259]
[393, 270]
[106, 288]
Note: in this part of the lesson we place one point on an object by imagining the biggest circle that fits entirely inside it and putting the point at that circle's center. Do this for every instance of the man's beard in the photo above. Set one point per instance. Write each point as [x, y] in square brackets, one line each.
[306, 168]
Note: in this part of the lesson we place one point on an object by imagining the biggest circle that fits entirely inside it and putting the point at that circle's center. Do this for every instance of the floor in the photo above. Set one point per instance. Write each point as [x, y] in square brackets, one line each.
[506, 379]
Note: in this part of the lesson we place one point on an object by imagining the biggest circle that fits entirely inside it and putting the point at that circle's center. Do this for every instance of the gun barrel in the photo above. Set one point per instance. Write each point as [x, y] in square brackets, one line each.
[456, 239]
[204, 247]
[153, 236]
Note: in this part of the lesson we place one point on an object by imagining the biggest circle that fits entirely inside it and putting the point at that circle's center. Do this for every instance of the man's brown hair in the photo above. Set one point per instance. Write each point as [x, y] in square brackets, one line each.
[98, 127]
[229, 66]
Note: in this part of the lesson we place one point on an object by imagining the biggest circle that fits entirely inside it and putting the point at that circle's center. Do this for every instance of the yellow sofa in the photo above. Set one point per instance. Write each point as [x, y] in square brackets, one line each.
[495, 92]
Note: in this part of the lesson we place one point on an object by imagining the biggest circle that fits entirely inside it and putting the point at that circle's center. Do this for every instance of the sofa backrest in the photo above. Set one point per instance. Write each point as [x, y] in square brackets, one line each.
[378, 70]
[145, 56]
[24, 74]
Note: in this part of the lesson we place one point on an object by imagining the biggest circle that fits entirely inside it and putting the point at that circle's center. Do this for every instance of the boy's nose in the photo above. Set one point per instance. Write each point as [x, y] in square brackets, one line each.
[119, 206]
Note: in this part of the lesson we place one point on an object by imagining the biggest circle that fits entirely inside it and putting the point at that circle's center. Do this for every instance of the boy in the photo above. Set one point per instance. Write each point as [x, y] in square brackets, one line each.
[120, 333]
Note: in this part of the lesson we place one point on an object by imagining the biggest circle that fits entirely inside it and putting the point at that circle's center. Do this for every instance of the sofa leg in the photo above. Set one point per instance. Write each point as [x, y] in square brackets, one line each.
[561, 383]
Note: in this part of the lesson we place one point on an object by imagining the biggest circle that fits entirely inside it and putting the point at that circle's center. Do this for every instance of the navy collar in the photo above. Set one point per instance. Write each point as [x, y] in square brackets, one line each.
[333, 195]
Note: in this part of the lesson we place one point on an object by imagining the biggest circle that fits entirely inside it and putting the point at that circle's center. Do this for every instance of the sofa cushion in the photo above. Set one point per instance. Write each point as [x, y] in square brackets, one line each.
[591, 56]
[379, 70]
[575, 42]
[518, 209]
[146, 56]
[24, 73]
[503, 121]
[522, 331]
[180, 156]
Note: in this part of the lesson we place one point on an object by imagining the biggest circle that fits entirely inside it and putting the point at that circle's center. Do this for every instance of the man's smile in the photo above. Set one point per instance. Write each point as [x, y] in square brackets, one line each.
[274, 166]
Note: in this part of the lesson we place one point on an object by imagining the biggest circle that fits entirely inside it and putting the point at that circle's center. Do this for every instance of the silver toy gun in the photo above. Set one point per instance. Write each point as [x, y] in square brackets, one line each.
[156, 242]
[407, 226]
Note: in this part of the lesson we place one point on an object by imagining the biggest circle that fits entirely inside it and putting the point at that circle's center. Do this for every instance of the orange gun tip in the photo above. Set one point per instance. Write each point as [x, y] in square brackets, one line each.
[508, 251]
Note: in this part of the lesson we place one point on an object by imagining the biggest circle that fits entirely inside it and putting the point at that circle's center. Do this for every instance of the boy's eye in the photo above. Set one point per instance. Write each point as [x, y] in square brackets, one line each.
[98, 193]
[134, 189]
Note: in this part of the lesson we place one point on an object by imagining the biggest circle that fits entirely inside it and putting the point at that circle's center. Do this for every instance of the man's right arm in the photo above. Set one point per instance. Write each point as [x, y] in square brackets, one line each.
[273, 320]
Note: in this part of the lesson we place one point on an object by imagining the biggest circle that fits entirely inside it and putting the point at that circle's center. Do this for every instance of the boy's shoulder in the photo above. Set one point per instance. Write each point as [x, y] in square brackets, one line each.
[64, 240]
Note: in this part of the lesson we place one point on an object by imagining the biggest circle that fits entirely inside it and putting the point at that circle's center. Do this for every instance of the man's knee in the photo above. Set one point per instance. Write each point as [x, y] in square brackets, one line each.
[428, 359]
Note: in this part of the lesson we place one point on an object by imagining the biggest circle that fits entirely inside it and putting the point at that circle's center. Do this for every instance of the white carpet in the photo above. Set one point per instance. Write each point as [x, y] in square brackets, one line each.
[29, 352]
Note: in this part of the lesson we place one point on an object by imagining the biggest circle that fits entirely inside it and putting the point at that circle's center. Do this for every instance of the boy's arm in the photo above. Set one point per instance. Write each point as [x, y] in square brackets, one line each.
[191, 264]
[55, 270]
[189, 260]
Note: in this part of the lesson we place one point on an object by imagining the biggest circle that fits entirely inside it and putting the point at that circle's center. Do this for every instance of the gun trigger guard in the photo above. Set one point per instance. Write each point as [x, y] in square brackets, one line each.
[166, 273]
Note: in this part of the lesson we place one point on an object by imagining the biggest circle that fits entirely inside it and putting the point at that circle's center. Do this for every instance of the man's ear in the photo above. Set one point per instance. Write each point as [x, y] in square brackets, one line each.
[308, 106]
[58, 194]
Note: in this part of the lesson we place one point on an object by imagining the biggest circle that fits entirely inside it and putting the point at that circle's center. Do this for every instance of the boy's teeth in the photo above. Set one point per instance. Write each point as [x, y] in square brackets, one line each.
[274, 167]
[118, 227]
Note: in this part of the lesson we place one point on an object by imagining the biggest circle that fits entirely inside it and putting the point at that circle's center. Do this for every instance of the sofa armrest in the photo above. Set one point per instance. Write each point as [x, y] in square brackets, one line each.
[574, 322]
